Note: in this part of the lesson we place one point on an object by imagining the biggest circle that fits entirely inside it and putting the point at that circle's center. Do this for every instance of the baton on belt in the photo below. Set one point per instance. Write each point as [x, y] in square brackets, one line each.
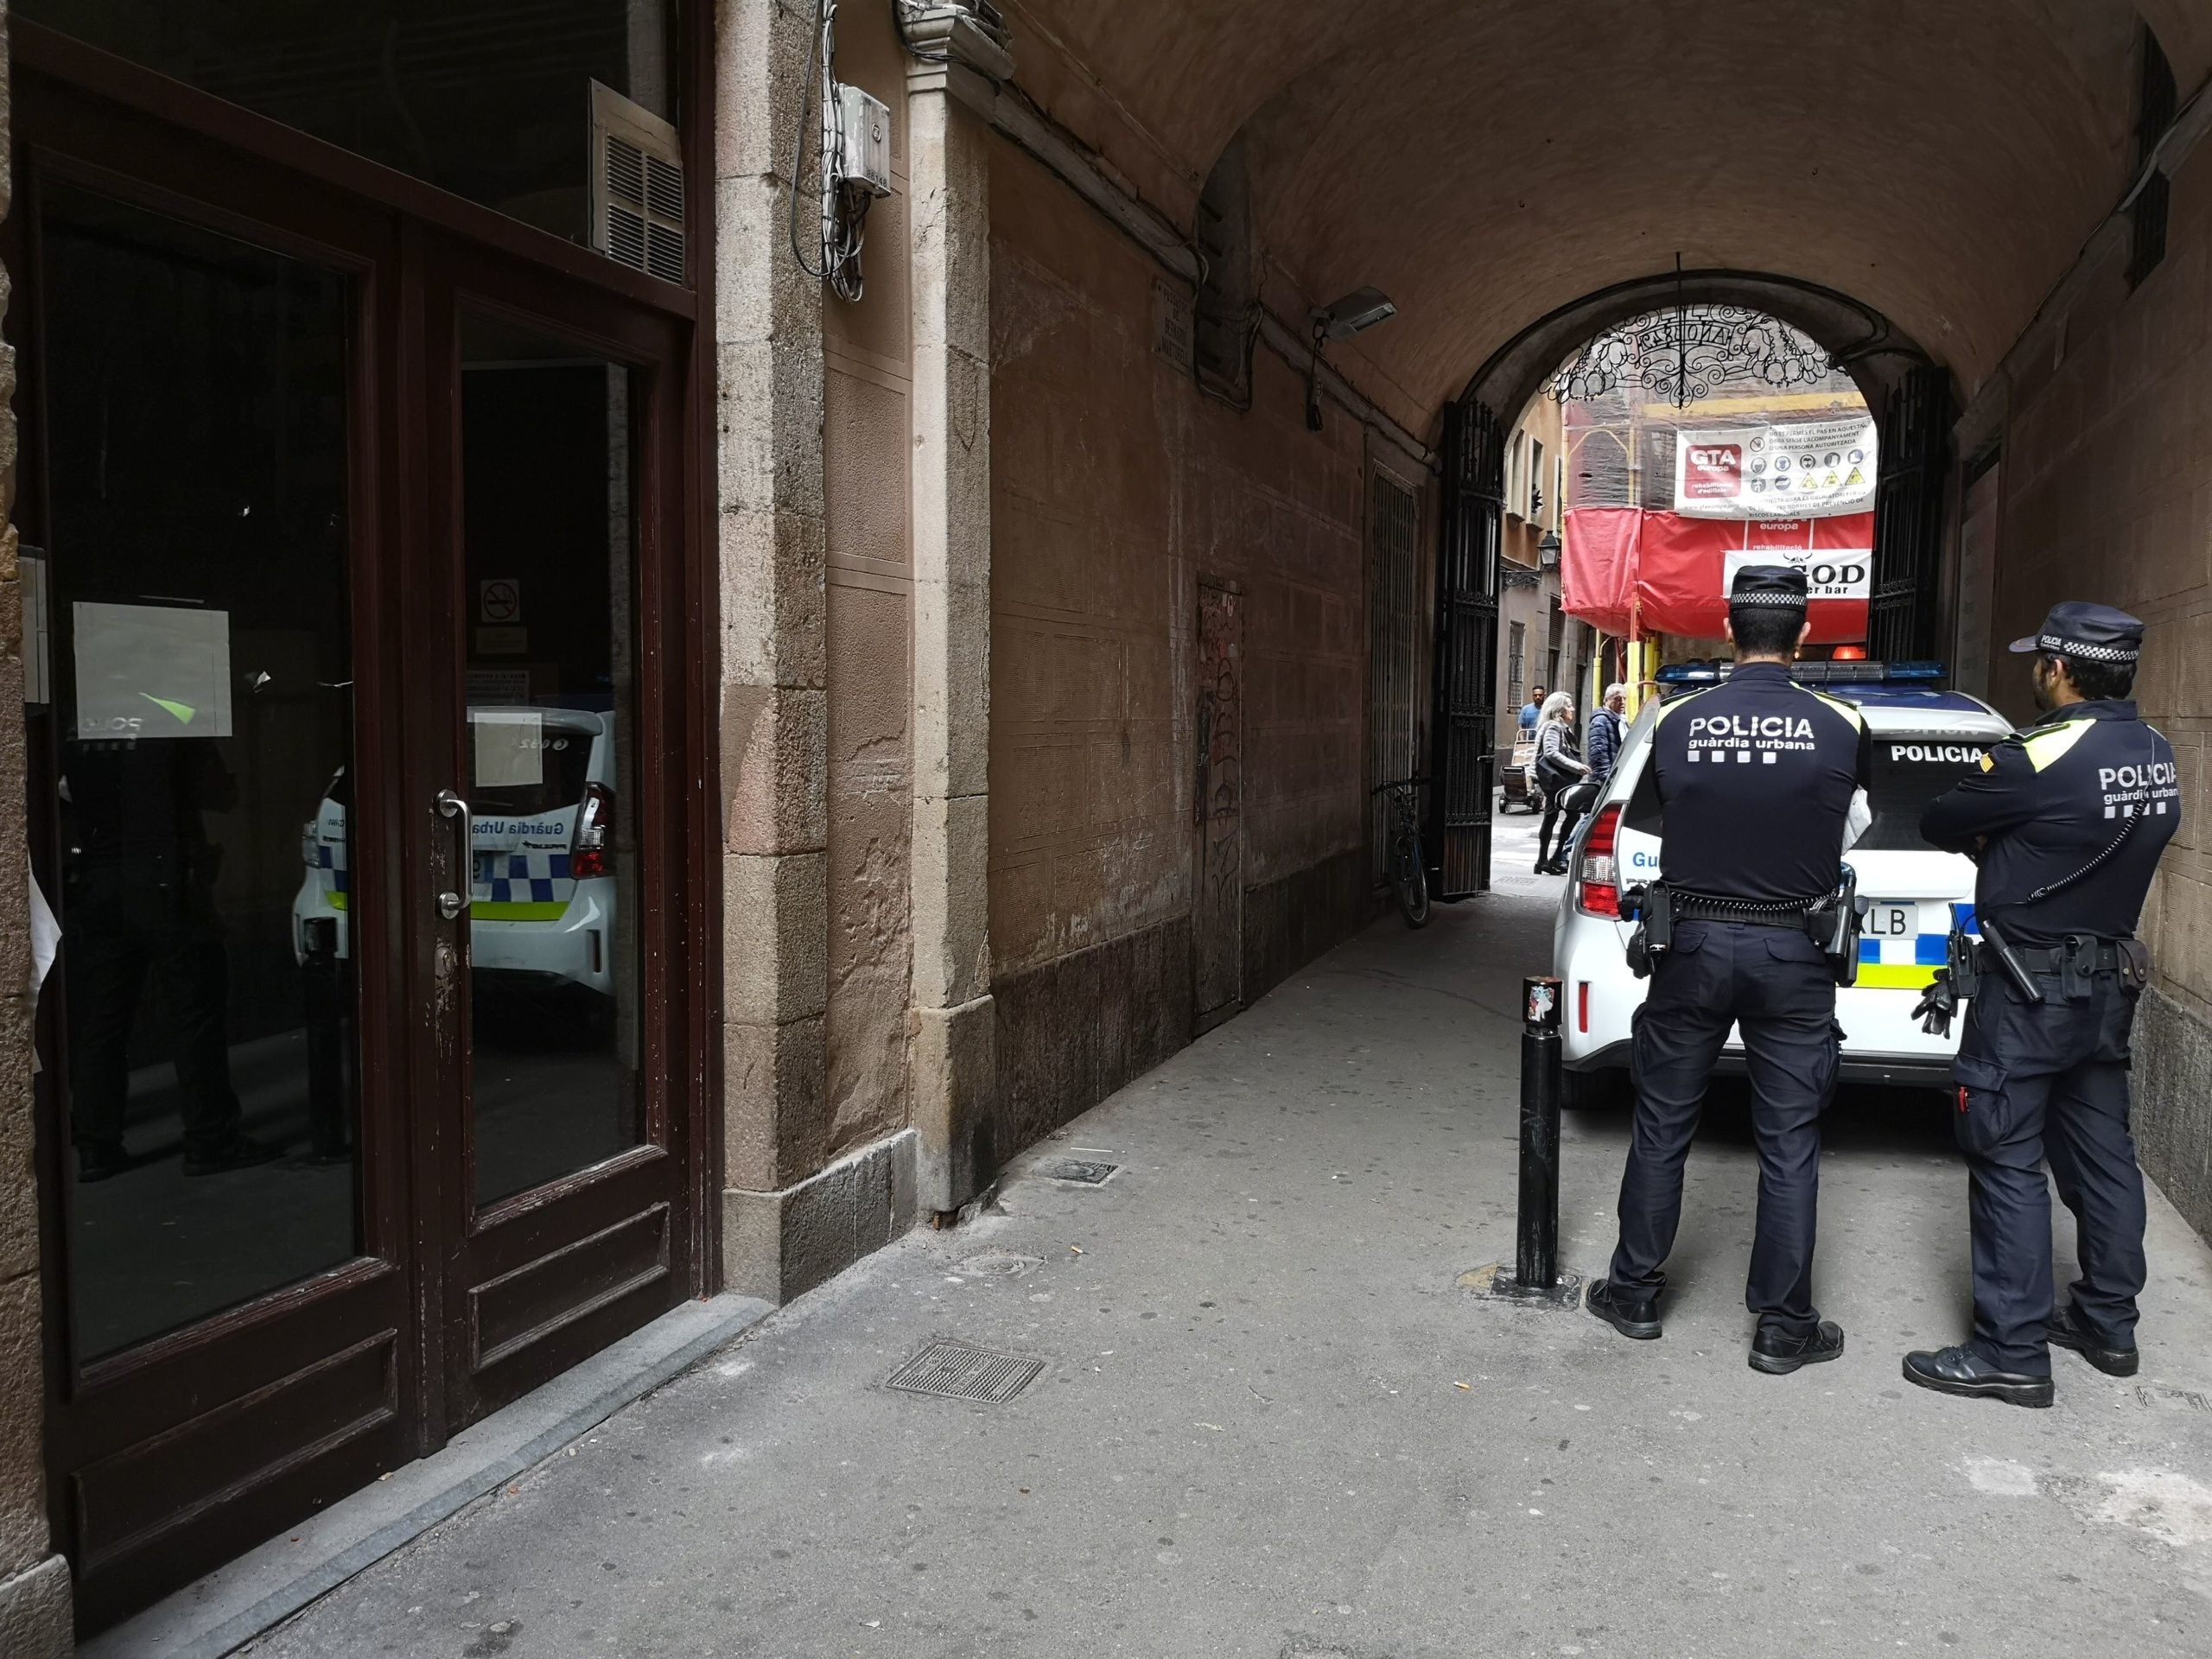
[2014, 968]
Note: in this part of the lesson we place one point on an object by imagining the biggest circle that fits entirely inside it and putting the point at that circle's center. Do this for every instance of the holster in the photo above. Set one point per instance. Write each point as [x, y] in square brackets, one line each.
[1833, 926]
[1653, 906]
[1962, 963]
[2077, 967]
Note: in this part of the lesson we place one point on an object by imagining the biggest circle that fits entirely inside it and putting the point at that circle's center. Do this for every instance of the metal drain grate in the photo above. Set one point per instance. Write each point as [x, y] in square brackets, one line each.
[1084, 1172]
[952, 1370]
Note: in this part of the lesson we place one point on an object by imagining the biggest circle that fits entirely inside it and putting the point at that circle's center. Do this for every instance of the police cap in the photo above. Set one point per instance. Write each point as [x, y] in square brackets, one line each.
[2094, 634]
[1769, 586]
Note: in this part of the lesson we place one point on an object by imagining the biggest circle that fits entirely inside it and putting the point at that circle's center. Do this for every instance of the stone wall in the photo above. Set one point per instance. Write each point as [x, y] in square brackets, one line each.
[867, 407]
[1116, 489]
[2107, 495]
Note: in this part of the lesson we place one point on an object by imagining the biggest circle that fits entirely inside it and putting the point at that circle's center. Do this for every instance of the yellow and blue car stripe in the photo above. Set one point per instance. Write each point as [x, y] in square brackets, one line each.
[1910, 964]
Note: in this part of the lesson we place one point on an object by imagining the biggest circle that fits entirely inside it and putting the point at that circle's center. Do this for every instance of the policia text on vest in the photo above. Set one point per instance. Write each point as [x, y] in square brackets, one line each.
[2067, 822]
[1757, 778]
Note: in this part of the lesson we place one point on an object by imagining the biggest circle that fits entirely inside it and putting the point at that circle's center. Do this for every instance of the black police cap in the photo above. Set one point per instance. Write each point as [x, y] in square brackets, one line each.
[2095, 634]
[1770, 586]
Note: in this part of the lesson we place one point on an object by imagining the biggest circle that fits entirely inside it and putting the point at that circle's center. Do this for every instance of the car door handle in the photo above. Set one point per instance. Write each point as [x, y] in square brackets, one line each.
[451, 805]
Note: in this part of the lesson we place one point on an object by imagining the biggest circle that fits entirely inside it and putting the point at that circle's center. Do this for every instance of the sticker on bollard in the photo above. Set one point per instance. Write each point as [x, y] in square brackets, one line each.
[1536, 1276]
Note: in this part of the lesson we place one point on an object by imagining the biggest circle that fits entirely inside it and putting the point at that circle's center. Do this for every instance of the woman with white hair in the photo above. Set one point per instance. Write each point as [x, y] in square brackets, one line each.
[1559, 767]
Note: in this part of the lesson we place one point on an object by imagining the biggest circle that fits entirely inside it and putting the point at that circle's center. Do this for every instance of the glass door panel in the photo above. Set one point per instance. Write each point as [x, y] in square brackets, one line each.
[547, 457]
[192, 685]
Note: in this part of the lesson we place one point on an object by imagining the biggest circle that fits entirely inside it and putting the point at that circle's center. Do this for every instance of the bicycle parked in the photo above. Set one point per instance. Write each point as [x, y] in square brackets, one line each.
[1409, 871]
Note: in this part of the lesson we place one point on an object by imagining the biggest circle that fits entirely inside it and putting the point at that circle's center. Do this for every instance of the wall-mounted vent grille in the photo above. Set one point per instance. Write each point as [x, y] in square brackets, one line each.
[636, 187]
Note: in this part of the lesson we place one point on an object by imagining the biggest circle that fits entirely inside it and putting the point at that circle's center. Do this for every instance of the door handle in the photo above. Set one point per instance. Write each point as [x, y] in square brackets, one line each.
[451, 805]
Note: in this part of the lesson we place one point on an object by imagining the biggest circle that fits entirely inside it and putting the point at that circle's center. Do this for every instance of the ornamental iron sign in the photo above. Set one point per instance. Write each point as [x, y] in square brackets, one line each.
[1695, 351]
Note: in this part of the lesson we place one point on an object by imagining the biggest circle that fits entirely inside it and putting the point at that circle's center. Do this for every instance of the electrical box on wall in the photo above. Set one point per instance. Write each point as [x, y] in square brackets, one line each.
[863, 141]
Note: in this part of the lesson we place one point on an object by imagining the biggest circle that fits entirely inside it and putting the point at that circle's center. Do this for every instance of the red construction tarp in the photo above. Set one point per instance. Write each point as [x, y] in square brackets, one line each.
[1628, 571]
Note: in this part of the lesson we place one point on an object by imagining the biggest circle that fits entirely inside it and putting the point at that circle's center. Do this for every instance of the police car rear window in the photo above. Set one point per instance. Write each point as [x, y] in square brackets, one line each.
[1909, 772]
[562, 767]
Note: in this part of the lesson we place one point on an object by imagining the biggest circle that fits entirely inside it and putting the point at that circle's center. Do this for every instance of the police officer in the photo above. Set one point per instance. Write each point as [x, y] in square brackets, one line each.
[1758, 777]
[2067, 821]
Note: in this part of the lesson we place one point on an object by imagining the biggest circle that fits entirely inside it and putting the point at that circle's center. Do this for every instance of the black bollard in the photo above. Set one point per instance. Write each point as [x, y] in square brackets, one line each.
[1536, 1251]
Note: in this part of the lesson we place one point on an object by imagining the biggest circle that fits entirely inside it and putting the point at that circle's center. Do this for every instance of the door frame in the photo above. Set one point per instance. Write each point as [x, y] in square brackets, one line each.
[81, 114]
[509, 1240]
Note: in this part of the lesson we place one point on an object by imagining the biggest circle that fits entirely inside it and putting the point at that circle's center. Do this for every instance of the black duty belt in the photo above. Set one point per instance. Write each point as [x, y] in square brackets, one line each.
[2055, 958]
[1688, 909]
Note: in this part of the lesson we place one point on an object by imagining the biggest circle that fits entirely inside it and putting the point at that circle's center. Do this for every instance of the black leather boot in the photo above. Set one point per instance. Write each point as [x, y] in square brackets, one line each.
[1630, 1315]
[1778, 1355]
[2066, 1333]
[1961, 1370]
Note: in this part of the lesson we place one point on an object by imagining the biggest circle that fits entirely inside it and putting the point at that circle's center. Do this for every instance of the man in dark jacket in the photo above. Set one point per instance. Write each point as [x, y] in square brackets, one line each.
[1607, 728]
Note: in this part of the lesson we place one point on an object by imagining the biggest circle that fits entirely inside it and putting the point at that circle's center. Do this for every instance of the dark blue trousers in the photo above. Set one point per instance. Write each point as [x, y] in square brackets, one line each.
[2041, 1082]
[1774, 984]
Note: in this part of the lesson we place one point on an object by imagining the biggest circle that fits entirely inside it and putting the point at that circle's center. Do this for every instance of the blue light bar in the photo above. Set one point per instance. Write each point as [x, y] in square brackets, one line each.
[1676, 676]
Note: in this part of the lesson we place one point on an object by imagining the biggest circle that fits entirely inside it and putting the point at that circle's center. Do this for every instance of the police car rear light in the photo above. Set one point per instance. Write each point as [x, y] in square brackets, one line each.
[1582, 1005]
[590, 853]
[1598, 891]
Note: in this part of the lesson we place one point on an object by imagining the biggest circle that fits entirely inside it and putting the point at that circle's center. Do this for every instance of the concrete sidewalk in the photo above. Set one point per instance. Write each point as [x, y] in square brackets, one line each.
[1271, 1423]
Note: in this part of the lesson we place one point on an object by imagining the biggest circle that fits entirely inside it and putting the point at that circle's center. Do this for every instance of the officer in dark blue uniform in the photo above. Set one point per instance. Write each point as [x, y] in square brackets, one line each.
[1757, 777]
[2067, 821]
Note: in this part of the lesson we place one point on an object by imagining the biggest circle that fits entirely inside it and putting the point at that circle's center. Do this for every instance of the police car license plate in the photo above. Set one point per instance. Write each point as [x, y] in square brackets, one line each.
[1887, 919]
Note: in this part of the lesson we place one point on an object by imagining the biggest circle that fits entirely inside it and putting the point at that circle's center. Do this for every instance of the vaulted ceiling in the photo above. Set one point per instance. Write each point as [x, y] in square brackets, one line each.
[1486, 162]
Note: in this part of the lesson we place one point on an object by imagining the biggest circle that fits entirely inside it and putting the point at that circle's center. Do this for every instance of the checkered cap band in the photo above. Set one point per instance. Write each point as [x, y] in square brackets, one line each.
[1768, 596]
[2051, 642]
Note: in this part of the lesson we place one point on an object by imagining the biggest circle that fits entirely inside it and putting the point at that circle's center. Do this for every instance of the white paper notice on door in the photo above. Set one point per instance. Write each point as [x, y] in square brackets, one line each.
[151, 670]
[510, 748]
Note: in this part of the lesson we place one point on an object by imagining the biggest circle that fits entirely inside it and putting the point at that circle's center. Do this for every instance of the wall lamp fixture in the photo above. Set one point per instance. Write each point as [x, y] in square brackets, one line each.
[1359, 310]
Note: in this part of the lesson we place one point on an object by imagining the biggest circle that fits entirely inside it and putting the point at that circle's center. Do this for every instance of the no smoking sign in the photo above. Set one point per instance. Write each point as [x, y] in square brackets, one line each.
[499, 600]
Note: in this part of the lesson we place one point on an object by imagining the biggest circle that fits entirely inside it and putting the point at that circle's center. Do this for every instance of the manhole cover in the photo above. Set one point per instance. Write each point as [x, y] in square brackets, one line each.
[953, 1370]
[998, 1264]
[1084, 1172]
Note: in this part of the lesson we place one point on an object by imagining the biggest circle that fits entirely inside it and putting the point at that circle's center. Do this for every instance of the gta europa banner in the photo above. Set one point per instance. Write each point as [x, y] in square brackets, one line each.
[1796, 469]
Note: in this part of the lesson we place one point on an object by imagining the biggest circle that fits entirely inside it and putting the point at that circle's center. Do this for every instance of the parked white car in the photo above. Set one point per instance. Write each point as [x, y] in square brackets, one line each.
[542, 888]
[1925, 739]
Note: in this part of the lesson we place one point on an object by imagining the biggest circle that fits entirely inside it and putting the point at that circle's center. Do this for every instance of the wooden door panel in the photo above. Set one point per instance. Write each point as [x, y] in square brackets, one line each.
[518, 1307]
[138, 1503]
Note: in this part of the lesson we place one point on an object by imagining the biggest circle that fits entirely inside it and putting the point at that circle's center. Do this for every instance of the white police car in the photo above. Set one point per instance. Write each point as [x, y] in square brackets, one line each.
[1925, 739]
[542, 894]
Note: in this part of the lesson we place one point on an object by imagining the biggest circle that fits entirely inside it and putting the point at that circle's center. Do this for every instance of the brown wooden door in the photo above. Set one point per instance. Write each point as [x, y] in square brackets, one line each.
[551, 702]
[216, 814]
[1218, 853]
[359, 1113]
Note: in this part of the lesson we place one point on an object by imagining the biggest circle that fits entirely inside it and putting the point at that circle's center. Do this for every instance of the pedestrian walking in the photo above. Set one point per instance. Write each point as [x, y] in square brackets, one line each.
[1532, 709]
[1608, 728]
[2067, 822]
[1560, 767]
[1756, 778]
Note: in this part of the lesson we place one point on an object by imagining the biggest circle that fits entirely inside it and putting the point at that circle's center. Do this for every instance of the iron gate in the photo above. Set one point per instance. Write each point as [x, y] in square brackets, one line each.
[1463, 762]
[1908, 521]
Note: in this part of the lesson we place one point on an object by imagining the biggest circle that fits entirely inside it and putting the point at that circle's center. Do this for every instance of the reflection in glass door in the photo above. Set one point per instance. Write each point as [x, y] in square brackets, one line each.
[547, 462]
[191, 695]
